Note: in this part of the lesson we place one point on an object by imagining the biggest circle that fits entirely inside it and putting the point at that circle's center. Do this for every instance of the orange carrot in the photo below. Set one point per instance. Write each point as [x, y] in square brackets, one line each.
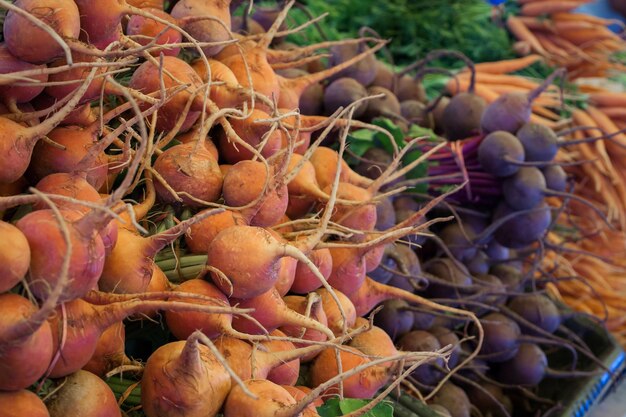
[506, 88]
[551, 47]
[605, 123]
[618, 152]
[509, 65]
[612, 44]
[608, 99]
[584, 36]
[540, 24]
[582, 118]
[535, 118]
[572, 25]
[513, 80]
[481, 90]
[590, 89]
[585, 18]
[548, 7]
[569, 47]
[614, 112]
[542, 111]
[521, 32]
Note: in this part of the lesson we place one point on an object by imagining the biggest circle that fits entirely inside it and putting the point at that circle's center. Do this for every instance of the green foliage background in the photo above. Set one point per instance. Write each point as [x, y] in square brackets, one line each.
[416, 26]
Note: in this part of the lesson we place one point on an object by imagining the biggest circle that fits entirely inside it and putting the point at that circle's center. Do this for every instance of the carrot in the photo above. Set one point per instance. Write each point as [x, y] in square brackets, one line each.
[569, 47]
[585, 18]
[551, 47]
[521, 32]
[549, 7]
[605, 123]
[543, 121]
[508, 65]
[492, 78]
[582, 118]
[481, 90]
[543, 101]
[615, 112]
[612, 44]
[540, 24]
[583, 36]
[608, 99]
[506, 88]
[546, 101]
[587, 69]
[542, 111]
[572, 25]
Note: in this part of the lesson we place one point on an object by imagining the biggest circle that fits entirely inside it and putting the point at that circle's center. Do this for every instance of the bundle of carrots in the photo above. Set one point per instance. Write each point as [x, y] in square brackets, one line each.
[602, 181]
[581, 43]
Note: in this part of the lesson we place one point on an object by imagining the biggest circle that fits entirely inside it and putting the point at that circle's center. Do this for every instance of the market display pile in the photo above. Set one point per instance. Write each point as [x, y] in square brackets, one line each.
[179, 168]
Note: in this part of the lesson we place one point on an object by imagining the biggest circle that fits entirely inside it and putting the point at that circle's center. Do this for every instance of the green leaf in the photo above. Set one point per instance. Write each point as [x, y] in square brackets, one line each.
[359, 147]
[419, 171]
[361, 140]
[416, 131]
[330, 408]
[362, 134]
[335, 408]
[382, 409]
[383, 139]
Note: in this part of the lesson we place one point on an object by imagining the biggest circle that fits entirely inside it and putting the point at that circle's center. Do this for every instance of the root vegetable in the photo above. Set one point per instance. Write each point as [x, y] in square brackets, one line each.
[175, 72]
[311, 307]
[205, 30]
[238, 404]
[259, 273]
[22, 403]
[188, 168]
[537, 309]
[336, 322]
[272, 312]
[252, 133]
[86, 323]
[13, 94]
[17, 142]
[25, 359]
[201, 234]
[32, 44]
[184, 378]
[87, 257]
[395, 318]
[146, 29]
[304, 280]
[362, 385]
[14, 256]
[109, 353]
[511, 111]
[244, 182]
[77, 142]
[84, 394]
[248, 362]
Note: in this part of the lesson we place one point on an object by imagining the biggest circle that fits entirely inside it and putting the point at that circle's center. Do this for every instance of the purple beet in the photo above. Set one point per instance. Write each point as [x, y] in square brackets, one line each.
[394, 318]
[341, 93]
[511, 111]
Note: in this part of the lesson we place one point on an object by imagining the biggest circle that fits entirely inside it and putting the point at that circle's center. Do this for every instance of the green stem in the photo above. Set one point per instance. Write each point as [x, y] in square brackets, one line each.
[172, 264]
[184, 274]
